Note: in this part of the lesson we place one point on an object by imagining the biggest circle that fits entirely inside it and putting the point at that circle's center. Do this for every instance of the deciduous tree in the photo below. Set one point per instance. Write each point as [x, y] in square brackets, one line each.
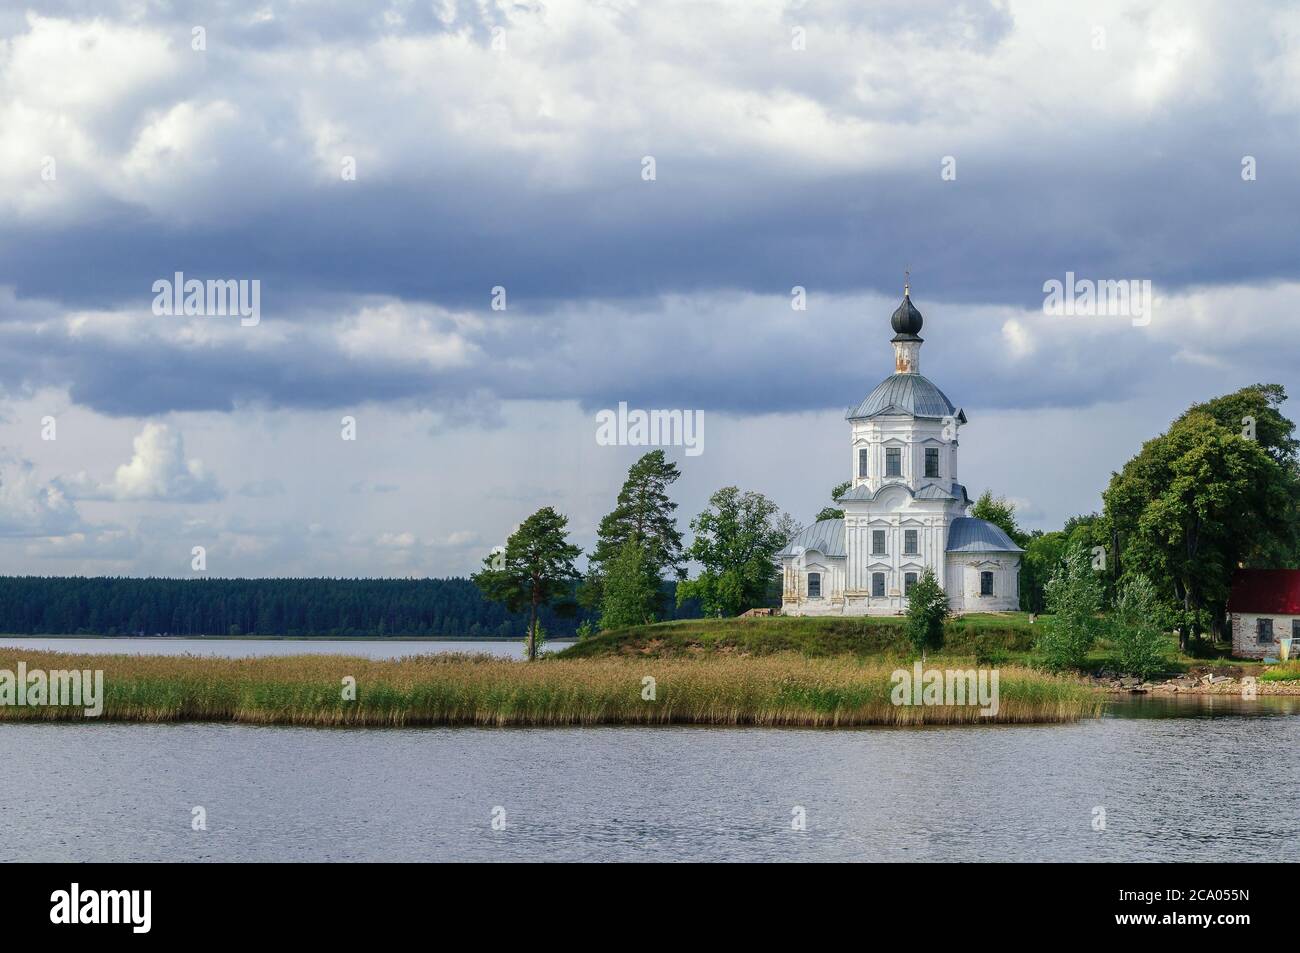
[736, 541]
[1204, 498]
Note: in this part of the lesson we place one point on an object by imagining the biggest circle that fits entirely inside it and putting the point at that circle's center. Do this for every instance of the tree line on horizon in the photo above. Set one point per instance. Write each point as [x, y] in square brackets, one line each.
[107, 605]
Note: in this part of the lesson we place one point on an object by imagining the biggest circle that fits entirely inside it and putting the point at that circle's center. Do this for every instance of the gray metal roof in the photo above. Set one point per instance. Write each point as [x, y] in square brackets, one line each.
[824, 536]
[969, 535]
[933, 491]
[906, 394]
[860, 492]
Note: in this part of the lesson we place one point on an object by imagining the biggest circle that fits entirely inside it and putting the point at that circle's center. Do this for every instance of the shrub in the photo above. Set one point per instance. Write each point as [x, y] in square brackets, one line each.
[927, 610]
[1074, 596]
[1136, 628]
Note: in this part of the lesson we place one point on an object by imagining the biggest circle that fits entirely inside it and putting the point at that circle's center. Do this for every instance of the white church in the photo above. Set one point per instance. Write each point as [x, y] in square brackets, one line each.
[905, 511]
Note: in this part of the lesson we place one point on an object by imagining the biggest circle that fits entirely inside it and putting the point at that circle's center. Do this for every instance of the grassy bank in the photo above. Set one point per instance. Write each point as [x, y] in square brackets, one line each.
[1282, 672]
[864, 637]
[459, 690]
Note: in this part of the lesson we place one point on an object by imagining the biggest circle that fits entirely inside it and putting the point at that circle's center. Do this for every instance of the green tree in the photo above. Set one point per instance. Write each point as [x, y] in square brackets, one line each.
[1074, 596]
[736, 541]
[1001, 512]
[1259, 402]
[1202, 499]
[1135, 628]
[1044, 555]
[631, 588]
[536, 569]
[927, 611]
[642, 513]
[831, 512]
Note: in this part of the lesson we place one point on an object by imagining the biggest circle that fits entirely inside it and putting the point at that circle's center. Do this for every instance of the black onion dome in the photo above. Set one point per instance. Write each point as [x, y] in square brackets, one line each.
[907, 320]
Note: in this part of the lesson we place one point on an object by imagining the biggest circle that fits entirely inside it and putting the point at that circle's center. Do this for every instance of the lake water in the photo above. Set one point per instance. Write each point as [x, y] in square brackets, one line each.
[1178, 780]
[243, 648]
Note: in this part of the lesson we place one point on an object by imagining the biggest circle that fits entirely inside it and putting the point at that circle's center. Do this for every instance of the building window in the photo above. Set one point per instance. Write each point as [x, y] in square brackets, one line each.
[877, 585]
[1295, 629]
[877, 542]
[986, 583]
[1264, 630]
[863, 456]
[909, 542]
[893, 461]
[932, 461]
[909, 580]
[814, 585]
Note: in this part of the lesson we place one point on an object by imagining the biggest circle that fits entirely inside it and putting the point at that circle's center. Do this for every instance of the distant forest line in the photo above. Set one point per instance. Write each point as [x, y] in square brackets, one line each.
[77, 605]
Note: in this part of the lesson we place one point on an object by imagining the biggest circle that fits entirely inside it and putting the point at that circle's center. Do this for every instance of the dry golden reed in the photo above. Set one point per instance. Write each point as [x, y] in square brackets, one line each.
[774, 690]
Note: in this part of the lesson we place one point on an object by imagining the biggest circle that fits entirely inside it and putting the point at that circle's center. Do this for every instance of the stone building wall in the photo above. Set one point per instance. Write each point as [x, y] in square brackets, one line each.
[1245, 639]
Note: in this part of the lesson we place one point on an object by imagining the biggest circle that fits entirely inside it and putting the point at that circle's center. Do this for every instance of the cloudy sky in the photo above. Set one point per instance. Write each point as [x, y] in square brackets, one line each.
[989, 146]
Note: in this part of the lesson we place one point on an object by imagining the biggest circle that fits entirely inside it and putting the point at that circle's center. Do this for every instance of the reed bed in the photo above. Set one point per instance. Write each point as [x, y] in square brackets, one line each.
[779, 690]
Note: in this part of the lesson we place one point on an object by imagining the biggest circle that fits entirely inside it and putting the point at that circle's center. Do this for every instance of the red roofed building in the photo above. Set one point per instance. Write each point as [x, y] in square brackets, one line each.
[1264, 606]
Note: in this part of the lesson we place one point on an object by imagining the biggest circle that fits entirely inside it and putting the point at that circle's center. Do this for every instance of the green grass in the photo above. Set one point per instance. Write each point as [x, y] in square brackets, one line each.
[773, 690]
[988, 638]
[1282, 672]
[863, 637]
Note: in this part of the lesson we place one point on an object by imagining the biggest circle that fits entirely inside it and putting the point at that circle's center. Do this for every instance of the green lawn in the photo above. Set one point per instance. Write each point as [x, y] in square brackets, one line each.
[817, 637]
[988, 637]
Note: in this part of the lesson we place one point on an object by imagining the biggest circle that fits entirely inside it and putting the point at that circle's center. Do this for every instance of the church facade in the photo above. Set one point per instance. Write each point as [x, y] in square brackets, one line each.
[905, 511]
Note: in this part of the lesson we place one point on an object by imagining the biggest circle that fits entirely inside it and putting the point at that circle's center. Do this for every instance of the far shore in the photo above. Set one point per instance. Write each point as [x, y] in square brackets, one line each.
[291, 638]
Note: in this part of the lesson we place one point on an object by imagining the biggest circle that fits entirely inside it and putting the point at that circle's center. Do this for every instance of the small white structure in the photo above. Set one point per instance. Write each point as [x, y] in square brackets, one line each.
[905, 511]
[1263, 608]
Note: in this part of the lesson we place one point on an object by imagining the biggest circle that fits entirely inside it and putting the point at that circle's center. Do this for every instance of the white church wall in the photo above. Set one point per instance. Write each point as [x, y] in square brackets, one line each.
[963, 582]
[794, 597]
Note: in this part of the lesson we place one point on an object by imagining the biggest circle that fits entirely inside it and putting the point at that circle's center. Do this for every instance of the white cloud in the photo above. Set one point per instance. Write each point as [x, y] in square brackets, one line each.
[94, 544]
[158, 471]
[406, 333]
[1018, 342]
[67, 90]
[31, 507]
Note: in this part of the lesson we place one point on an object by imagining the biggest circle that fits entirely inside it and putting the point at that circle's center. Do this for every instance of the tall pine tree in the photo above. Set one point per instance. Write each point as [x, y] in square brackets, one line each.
[644, 516]
[535, 570]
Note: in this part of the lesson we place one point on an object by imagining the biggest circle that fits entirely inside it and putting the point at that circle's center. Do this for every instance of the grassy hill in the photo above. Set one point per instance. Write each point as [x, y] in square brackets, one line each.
[978, 634]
